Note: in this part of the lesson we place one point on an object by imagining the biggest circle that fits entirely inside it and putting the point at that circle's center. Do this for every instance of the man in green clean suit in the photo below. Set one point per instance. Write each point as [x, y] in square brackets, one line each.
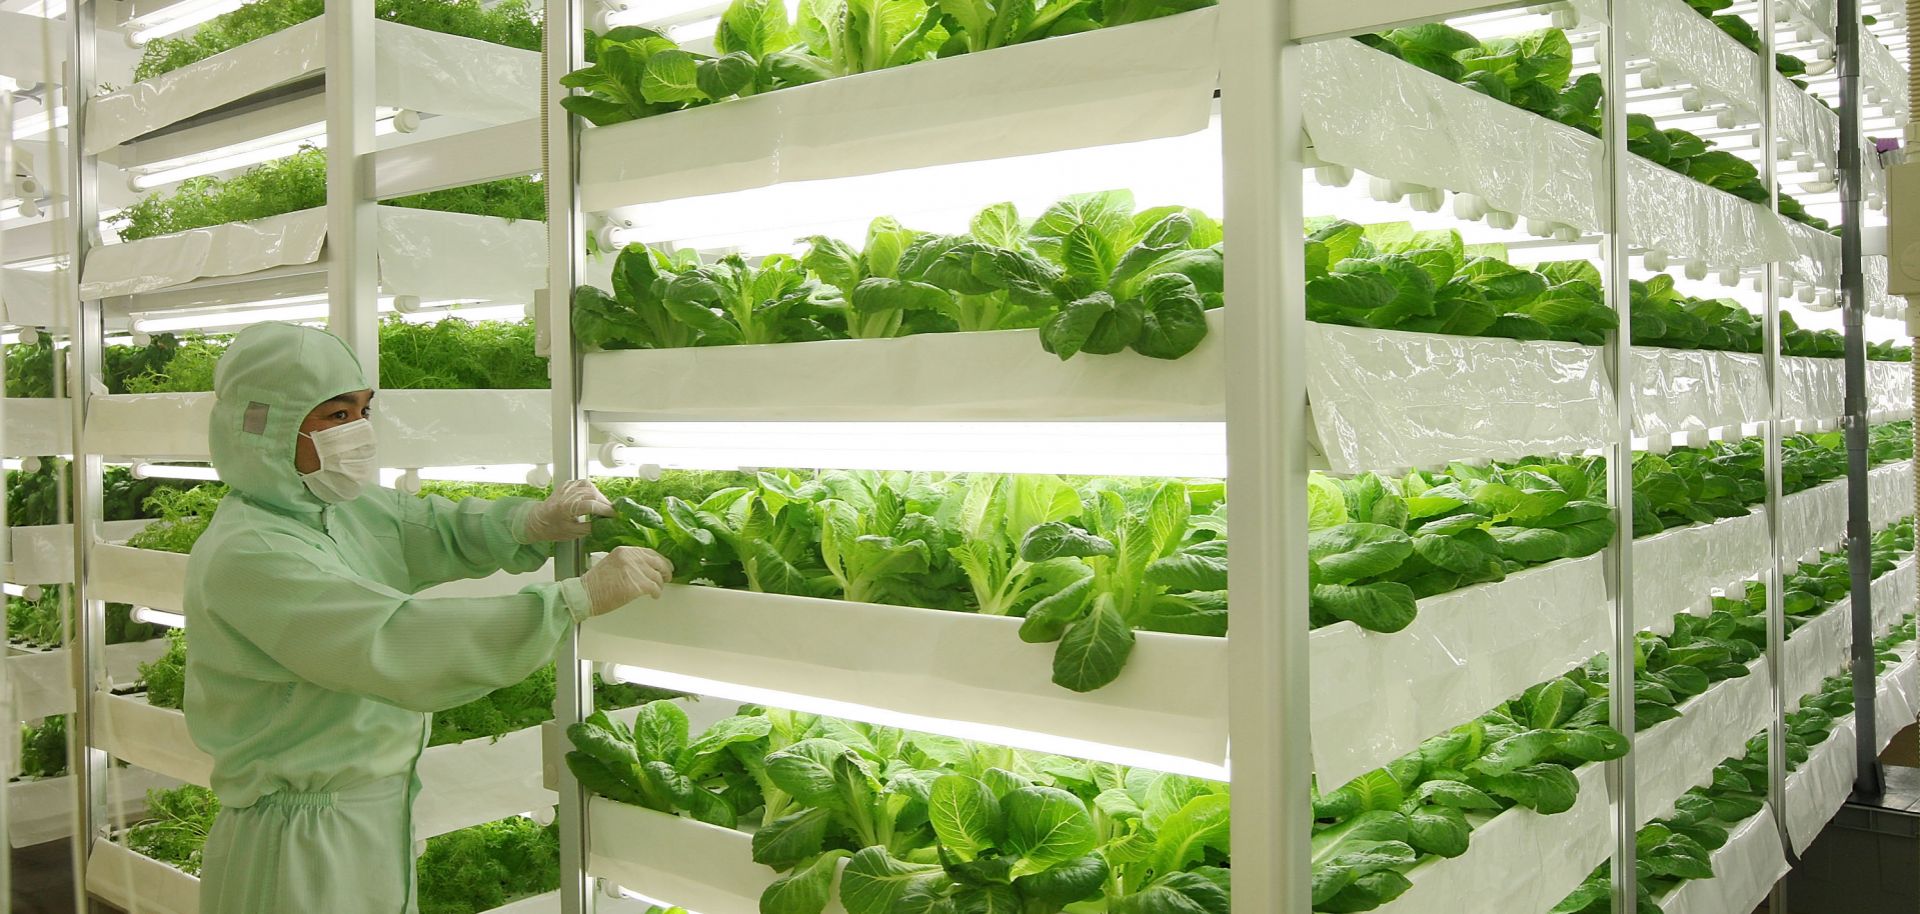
[311, 666]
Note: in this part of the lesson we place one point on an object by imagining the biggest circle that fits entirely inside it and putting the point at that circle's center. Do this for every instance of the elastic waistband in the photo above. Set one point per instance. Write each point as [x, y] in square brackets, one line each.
[295, 799]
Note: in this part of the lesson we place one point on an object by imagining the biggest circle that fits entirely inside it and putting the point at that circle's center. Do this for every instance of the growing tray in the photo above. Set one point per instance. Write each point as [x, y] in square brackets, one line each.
[36, 427]
[1116, 85]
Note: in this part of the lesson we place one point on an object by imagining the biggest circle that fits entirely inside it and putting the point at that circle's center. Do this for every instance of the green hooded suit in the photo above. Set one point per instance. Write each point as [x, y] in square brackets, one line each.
[312, 667]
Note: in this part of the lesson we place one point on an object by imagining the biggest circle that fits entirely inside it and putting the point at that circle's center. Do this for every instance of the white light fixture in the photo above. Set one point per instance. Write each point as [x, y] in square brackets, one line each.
[145, 470]
[505, 473]
[14, 590]
[12, 463]
[36, 124]
[153, 616]
[240, 155]
[1191, 449]
[984, 733]
[306, 312]
[177, 17]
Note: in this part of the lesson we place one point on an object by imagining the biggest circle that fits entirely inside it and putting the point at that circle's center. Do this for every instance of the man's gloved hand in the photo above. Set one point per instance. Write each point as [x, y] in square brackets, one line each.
[625, 575]
[558, 518]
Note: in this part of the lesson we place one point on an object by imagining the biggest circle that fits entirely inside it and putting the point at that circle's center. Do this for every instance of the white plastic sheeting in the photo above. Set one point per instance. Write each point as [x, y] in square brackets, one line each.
[1136, 82]
[1823, 646]
[1675, 571]
[1378, 114]
[1880, 303]
[1744, 871]
[1897, 701]
[1889, 391]
[1686, 390]
[1808, 127]
[1519, 863]
[940, 666]
[480, 780]
[1812, 520]
[1885, 80]
[1679, 754]
[926, 378]
[1821, 785]
[1376, 696]
[135, 882]
[1890, 493]
[1812, 390]
[700, 867]
[1814, 255]
[415, 428]
[1685, 44]
[156, 739]
[42, 680]
[41, 809]
[1386, 400]
[1680, 217]
[425, 253]
[414, 68]
[44, 554]
[36, 427]
[26, 296]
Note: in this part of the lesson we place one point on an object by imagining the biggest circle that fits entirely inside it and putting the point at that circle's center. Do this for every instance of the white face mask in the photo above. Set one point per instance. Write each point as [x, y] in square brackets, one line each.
[347, 462]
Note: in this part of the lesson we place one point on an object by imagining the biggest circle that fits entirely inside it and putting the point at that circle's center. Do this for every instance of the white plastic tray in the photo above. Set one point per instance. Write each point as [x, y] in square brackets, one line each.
[153, 738]
[1117, 85]
[1822, 784]
[42, 809]
[924, 669]
[1688, 48]
[1519, 863]
[1821, 647]
[1816, 254]
[416, 428]
[1744, 871]
[1376, 696]
[424, 253]
[415, 69]
[1387, 400]
[1676, 755]
[142, 577]
[1683, 390]
[1675, 571]
[43, 554]
[1889, 391]
[1812, 390]
[134, 882]
[42, 681]
[692, 864]
[37, 427]
[32, 49]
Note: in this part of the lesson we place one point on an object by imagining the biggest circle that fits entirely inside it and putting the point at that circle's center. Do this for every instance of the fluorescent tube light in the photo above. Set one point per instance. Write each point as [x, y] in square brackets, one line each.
[153, 616]
[14, 590]
[36, 124]
[252, 152]
[1190, 449]
[177, 18]
[309, 312]
[144, 470]
[985, 733]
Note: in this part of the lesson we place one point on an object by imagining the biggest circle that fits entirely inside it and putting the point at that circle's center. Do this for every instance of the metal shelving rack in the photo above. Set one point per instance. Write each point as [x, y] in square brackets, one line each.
[1265, 411]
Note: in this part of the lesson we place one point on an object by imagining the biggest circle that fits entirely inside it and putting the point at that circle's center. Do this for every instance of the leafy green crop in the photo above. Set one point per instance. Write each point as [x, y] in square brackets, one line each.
[299, 182]
[43, 748]
[176, 828]
[510, 22]
[955, 825]
[525, 704]
[31, 369]
[39, 623]
[635, 72]
[184, 515]
[1390, 277]
[488, 865]
[459, 354]
[166, 676]
[1091, 273]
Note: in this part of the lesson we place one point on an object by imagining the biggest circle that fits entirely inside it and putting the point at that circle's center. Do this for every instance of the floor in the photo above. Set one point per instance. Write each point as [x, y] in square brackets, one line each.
[43, 880]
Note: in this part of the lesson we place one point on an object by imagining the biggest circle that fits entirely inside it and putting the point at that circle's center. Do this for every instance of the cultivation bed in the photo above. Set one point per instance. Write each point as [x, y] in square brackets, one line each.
[1684, 44]
[1822, 784]
[1519, 863]
[36, 427]
[24, 57]
[1376, 696]
[1821, 647]
[1676, 571]
[697, 866]
[1815, 519]
[1676, 755]
[1114, 85]
[1816, 255]
[416, 69]
[924, 669]
[1391, 119]
[1694, 390]
[424, 253]
[43, 553]
[42, 681]
[415, 428]
[41, 809]
[142, 577]
[1744, 871]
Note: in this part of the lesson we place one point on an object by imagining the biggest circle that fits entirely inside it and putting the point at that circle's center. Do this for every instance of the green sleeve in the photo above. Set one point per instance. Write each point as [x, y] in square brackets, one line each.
[442, 540]
[311, 613]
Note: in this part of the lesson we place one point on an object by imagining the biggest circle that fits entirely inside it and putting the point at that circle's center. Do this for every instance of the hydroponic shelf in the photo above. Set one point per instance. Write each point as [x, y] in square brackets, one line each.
[697, 866]
[1823, 646]
[1679, 754]
[1744, 872]
[41, 809]
[1823, 782]
[428, 254]
[43, 554]
[1113, 85]
[415, 428]
[42, 680]
[417, 69]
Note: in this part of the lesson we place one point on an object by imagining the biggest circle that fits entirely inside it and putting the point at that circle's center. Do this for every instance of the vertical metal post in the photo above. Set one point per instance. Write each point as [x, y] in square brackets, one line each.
[1867, 781]
[1774, 573]
[559, 158]
[1266, 423]
[1621, 778]
[86, 644]
[353, 283]
[10, 717]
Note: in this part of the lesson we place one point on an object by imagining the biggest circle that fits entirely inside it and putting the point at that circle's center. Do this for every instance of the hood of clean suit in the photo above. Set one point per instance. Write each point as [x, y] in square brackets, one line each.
[266, 383]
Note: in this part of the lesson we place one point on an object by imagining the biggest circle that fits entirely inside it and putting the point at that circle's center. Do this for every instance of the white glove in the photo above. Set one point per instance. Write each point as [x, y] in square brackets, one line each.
[625, 575]
[558, 518]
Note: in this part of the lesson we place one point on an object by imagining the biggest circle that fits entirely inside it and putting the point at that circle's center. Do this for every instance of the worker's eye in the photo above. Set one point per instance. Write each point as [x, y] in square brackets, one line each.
[340, 416]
